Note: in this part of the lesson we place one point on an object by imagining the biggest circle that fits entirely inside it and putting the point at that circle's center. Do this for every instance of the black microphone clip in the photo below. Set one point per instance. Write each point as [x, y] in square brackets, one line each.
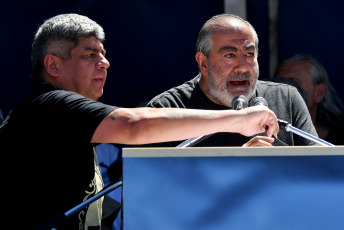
[282, 124]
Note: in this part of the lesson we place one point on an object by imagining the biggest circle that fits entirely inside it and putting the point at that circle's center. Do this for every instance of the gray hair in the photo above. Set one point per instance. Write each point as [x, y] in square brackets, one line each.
[215, 24]
[59, 35]
[330, 109]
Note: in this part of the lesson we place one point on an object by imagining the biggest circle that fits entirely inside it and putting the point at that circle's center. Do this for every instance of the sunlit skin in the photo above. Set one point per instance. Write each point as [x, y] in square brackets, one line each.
[85, 72]
[232, 68]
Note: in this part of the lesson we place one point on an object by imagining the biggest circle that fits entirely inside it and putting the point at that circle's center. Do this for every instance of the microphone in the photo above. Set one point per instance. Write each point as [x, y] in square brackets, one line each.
[239, 102]
[259, 101]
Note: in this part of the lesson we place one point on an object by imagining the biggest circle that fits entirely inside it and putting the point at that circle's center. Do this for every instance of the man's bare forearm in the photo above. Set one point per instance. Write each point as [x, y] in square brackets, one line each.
[150, 125]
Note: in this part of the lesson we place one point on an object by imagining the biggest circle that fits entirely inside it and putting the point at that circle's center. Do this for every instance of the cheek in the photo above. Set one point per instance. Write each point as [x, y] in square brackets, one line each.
[220, 70]
[255, 67]
[224, 70]
[75, 71]
[81, 78]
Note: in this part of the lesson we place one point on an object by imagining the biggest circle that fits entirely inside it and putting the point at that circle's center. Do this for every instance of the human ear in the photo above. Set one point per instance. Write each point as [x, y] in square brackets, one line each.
[51, 63]
[320, 91]
[202, 61]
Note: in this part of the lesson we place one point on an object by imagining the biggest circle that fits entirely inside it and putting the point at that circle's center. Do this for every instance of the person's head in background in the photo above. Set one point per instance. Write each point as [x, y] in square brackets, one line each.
[227, 51]
[324, 105]
[293, 83]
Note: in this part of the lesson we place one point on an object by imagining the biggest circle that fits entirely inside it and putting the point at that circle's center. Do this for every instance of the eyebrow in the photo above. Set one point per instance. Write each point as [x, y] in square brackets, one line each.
[96, 50]
[232, 48]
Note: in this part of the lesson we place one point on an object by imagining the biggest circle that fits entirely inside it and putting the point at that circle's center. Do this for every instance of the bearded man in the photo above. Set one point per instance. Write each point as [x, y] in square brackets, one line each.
[227, 57]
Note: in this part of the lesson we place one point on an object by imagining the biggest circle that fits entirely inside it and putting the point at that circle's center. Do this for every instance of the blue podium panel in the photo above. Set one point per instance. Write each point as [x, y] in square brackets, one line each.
[233, 188]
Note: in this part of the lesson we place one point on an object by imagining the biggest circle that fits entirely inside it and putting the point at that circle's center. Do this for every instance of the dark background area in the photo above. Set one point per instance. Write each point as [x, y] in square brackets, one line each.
[151, 44]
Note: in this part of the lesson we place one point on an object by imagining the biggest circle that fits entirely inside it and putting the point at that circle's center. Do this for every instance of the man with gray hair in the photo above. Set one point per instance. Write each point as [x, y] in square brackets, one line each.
[51, 135]
[227, 57]
[323, 102]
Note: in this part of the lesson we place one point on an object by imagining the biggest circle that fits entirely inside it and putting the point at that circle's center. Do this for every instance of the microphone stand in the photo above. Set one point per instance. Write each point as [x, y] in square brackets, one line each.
[192, 141]
[80, 206]
[240, 102]
[289, 128]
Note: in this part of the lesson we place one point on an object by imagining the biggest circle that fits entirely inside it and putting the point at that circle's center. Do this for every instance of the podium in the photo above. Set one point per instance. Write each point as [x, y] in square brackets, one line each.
[233, 188]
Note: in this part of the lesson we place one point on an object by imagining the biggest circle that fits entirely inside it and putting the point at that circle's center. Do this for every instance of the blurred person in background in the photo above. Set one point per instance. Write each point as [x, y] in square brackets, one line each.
[323, 102]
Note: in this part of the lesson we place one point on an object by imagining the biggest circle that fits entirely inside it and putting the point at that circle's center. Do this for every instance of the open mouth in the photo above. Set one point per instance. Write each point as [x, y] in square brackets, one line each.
[238, 83]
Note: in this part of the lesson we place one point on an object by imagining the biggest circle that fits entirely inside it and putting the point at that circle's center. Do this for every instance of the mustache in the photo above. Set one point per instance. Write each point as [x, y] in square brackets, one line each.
[239, 76]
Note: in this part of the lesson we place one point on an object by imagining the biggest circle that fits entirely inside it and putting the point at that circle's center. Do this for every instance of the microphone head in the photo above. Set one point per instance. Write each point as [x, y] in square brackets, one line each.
[239, 102]
[258, 101]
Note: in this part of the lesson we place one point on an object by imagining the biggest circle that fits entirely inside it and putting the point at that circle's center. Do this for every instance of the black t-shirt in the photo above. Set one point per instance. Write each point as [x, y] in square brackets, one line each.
[52, 164]
[283, 99]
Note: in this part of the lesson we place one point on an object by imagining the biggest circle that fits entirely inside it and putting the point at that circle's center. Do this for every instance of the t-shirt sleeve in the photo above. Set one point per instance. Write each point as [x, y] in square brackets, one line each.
[78, 115]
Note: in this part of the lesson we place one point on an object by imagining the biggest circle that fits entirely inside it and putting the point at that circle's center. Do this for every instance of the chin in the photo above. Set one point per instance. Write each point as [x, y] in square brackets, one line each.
[97, 97]
[98, 94]
[94, 97]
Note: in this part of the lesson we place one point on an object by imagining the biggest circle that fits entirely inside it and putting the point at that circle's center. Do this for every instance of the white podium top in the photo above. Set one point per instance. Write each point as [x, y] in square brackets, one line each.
[234, 151]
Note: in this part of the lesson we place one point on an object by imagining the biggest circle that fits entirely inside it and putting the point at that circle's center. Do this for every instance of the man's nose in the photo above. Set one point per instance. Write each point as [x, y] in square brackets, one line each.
[103, 63]
[242, 65]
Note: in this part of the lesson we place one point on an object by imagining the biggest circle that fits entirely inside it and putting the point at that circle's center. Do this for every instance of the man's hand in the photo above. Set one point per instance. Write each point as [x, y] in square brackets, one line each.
[259, 141]
[258, 119]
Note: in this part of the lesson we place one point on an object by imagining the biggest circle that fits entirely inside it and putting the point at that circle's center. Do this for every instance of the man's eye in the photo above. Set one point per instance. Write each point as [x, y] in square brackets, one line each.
[250, 54]
[229, 55]
[91, 55]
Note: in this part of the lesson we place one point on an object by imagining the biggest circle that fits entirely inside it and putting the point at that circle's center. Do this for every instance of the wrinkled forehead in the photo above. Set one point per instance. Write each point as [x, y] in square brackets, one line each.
[234, 36]
[234, 29]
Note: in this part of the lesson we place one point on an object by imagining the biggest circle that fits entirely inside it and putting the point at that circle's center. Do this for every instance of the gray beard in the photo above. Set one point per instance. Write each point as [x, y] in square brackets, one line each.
[219, 91]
